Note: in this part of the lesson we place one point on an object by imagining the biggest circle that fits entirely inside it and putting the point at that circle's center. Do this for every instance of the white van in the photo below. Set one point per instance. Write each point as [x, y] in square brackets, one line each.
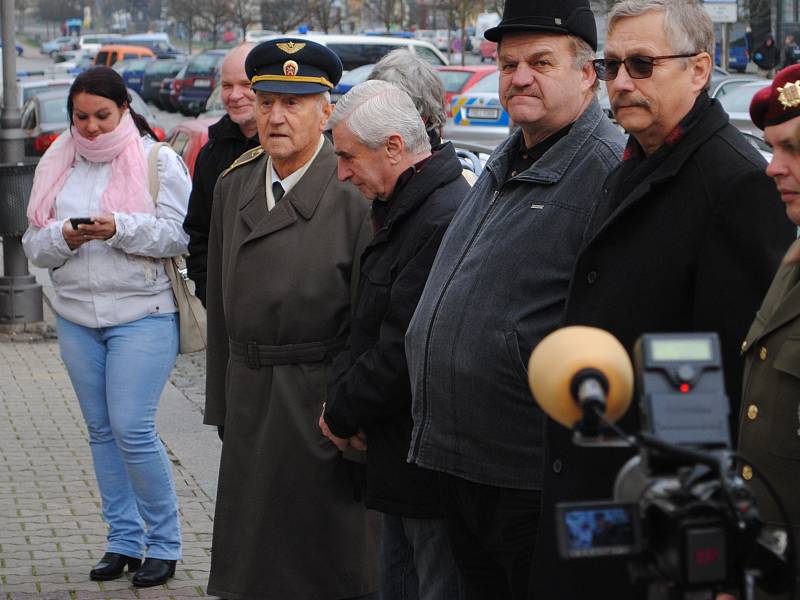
[357, 50]
[91, 42]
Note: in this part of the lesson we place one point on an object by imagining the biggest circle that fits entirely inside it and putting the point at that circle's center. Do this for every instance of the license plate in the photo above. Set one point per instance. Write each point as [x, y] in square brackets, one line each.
[155, 84]
[134, 80]
[204, 83]
[483, 113]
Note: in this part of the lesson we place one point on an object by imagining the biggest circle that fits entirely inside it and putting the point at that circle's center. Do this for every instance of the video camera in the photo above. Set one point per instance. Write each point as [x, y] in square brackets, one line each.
[685, 520]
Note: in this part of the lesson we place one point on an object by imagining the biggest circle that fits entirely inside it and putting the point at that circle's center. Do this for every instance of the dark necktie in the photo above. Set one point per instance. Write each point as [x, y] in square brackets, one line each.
[277, 191]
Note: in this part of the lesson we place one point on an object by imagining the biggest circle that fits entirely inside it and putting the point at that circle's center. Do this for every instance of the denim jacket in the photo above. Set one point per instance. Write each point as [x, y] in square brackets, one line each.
[497, 287]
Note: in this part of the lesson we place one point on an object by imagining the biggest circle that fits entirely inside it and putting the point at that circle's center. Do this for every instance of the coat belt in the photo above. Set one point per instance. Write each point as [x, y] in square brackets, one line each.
[256, 355]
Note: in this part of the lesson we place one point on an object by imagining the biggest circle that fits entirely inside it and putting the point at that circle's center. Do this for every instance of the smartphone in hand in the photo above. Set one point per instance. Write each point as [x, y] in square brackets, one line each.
[75, 221]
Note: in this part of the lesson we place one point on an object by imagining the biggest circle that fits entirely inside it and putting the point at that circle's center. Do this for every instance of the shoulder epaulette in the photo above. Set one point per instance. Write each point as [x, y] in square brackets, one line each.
[245, 158]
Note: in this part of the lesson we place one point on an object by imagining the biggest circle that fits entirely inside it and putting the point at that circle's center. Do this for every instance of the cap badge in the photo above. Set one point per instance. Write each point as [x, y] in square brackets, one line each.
[290, 68]
[291, 47]
[789, 95]
[557, 20]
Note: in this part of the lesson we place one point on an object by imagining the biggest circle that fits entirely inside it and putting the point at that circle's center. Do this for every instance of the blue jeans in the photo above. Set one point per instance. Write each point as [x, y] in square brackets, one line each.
[416, 561]
[118, 374]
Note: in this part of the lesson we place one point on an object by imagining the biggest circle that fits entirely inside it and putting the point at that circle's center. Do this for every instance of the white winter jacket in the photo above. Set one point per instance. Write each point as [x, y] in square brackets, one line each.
[122, 279]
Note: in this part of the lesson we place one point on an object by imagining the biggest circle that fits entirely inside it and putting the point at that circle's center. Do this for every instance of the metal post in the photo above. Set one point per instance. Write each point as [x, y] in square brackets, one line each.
[20, 295]
[724, 55]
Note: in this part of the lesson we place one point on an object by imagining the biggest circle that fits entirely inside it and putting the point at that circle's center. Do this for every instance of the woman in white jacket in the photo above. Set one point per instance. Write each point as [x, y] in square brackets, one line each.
[117, 320]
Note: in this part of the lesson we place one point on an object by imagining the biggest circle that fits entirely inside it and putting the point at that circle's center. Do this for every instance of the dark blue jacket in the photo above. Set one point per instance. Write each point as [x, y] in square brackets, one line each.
[499, 284]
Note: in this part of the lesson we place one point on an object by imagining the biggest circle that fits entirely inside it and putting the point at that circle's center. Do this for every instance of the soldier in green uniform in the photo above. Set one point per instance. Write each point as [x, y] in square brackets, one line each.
[769, 436]
[285, 236]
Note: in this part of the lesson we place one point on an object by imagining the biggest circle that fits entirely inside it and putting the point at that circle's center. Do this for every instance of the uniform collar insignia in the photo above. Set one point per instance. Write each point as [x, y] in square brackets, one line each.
[789, 95]
[291, 47]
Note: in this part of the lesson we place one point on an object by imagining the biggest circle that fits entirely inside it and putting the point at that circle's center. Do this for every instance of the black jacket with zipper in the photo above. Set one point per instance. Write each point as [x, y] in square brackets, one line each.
[370, 388]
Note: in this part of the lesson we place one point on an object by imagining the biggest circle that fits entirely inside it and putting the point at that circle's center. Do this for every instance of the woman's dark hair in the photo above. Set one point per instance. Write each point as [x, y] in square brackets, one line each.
[106, 82]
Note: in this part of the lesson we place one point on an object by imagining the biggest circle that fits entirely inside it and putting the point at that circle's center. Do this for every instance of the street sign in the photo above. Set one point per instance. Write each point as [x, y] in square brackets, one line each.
[721, 11]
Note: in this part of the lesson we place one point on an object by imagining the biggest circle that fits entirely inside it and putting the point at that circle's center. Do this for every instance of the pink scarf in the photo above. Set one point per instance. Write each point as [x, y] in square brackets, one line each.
[127, 189]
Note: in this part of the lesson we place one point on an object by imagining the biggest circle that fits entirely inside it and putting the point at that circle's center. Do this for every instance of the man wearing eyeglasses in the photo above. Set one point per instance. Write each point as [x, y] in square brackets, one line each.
[686, 237]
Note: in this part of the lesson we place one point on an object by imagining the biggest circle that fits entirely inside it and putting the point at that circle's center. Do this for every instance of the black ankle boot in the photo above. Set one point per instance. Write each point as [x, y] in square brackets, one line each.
[112, 565]
[154, 571]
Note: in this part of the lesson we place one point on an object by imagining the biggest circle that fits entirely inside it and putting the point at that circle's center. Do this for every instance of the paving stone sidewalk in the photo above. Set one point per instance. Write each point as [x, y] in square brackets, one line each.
[51, 530]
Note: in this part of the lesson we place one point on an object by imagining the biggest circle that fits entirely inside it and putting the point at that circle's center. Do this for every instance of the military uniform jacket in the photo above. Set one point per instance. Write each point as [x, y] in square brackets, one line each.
[769, 437]
[279, 288]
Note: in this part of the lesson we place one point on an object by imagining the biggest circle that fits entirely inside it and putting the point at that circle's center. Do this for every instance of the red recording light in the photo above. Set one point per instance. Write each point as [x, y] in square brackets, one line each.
[685, 388]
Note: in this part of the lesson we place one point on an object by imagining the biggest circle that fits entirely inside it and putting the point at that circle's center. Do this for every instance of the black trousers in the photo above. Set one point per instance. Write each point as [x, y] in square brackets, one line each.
[492, 531]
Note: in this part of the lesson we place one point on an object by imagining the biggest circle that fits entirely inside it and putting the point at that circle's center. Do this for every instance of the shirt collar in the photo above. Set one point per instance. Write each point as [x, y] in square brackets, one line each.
[289, 181]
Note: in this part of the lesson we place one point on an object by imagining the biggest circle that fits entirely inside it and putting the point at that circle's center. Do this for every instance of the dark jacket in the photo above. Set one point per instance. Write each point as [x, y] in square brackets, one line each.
[767, 57]
[693, 247]
[769, 435]
[370, 388]
[498, 286]
[225, 144]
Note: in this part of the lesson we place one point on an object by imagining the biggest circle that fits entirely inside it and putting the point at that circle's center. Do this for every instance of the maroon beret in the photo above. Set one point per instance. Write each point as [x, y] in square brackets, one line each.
[778, 102]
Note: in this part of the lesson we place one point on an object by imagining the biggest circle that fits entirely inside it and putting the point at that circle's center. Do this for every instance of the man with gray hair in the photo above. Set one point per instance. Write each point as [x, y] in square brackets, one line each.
[687, 237]
[383, 149]
[499, 285]
[421, 82]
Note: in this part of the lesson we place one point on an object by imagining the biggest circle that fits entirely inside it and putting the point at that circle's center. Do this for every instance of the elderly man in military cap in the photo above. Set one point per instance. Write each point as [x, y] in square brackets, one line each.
[284, 239]
[769, 430]
[499, 285]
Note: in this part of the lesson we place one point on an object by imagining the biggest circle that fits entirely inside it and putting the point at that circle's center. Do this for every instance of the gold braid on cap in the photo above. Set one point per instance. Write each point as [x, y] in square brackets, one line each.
[789, 95]
[293, 78]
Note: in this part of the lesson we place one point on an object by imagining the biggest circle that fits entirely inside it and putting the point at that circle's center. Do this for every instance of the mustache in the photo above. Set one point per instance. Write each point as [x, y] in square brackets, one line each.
[512, 91]
[630, 103]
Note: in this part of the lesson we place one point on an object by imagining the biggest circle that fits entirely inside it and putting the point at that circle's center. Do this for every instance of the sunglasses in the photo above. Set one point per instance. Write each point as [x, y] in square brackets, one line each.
[638, 67]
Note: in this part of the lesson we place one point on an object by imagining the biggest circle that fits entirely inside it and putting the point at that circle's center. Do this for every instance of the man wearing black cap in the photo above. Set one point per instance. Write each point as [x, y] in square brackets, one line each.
[285, 234]
[686, 237]
[498, 286]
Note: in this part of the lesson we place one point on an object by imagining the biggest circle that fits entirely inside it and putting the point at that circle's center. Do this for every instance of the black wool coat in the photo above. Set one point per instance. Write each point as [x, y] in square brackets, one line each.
[693, 247]
[226, 143]
[370, 388]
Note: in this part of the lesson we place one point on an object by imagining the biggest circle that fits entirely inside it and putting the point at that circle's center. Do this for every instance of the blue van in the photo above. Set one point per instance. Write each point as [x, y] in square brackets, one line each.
[738, 48]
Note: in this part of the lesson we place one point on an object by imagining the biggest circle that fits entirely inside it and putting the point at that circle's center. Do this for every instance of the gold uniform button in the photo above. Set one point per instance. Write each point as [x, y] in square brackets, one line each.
[752, 412]
[747, 473]
[763, 354]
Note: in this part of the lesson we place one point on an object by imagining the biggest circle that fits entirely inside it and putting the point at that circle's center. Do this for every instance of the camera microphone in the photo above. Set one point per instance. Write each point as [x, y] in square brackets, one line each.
[577, 372]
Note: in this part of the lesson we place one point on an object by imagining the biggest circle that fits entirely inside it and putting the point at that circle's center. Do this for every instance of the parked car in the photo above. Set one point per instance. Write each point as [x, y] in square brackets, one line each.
[157, 42]
[56, 45]
[199, 78]
[132, 71]
[214, 104]
[722, 86]
[357, 50]
[457, 79]
[45, 116]
[188, 136]
[93, 41]
[738, 55]
[111, 53]
[170, 90]
[737, 105]
[155, 73]
[488, 50]
[27, 88]
[351, 79]
[477, 117]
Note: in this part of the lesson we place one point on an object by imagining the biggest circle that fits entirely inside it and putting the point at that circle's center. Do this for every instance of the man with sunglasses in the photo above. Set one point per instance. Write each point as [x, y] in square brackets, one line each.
[686, 237]
[498, 286]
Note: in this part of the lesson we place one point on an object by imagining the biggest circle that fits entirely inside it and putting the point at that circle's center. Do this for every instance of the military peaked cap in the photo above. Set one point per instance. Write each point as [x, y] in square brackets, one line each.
[292, 66]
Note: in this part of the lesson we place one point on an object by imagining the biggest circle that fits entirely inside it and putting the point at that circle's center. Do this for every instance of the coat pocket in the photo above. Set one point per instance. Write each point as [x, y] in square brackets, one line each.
[785, 426]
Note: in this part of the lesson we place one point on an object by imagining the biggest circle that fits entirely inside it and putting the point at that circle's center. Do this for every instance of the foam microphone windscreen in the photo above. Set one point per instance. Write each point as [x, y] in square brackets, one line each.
[566, 352]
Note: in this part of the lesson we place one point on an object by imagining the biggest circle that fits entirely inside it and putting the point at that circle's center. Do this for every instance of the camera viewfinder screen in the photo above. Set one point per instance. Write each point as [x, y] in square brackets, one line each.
[690, 349]
[599, 531]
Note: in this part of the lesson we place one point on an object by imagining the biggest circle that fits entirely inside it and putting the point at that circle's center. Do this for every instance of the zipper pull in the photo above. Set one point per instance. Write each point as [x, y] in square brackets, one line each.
[494, 197]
